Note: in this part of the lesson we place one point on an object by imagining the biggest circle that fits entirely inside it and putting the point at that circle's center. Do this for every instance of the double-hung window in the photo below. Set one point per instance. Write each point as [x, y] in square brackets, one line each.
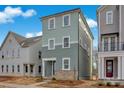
[66, 64]
[51, 23]
[66, 20]
[51, 44]
[66, 42]
[109, 17]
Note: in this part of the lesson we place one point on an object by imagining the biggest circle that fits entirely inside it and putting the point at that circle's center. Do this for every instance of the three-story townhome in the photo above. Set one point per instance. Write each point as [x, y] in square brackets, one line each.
[111, 42]
[66, 46]
[20, 56]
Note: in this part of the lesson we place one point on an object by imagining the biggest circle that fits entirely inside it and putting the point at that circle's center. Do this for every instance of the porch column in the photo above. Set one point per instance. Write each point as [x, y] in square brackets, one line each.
[99, 68]
[122, 67]
[43, 68]
[119, 67]
[102, 67]
[29, 69]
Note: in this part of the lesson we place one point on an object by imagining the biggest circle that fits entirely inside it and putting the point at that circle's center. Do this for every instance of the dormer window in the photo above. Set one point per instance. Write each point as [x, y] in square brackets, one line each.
[109, 17]
[66, 20]
[51, 23]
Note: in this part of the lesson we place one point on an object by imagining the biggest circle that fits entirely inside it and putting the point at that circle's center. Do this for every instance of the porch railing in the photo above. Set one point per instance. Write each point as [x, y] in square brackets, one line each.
[117, 46]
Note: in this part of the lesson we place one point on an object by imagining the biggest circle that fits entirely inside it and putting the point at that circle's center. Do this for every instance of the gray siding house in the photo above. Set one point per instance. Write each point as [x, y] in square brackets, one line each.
[66, 46]
[111, 42]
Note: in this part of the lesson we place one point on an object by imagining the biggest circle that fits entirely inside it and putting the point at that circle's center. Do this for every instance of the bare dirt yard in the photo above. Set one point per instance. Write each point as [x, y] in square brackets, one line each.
[21, 80]
[40, 83]
[69, 84]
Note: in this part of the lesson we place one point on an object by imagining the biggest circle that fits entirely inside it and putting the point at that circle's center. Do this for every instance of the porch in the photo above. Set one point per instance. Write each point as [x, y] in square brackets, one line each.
[111, 67]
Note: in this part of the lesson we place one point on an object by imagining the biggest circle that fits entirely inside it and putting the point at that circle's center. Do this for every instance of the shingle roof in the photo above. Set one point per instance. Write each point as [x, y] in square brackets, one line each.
[30, 41]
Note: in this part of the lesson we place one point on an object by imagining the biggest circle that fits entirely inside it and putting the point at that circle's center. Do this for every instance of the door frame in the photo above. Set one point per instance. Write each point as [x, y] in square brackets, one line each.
[112, 68]
[43, 65]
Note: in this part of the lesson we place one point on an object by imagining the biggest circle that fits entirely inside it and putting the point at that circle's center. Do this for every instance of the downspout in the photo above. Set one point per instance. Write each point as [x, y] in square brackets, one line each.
[78, 49]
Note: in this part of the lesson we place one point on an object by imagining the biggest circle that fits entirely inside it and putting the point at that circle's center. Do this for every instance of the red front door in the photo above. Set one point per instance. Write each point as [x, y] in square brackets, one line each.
[109, 68]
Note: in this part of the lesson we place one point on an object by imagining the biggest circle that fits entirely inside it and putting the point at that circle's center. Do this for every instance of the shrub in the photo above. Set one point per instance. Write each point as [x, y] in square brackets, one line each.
[117, 84]
[53, 78]
[108, 83]
[100, 84]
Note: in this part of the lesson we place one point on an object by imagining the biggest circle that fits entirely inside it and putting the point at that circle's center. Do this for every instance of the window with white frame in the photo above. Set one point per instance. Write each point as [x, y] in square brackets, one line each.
[51, 23]
[109, 17]
[66, 20]
[18, 52]
[66, 42]
[51, 44]
[66, 64]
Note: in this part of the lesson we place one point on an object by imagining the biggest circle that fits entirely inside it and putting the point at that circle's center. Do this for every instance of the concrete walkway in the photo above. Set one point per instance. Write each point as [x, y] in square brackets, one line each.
[10, 85]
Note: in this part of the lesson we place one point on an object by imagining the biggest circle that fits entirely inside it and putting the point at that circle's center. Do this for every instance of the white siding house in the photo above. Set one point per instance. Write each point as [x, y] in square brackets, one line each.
[20, 56]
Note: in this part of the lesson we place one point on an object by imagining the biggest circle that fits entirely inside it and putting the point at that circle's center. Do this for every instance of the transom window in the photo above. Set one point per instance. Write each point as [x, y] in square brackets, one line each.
[51, 44]
[51, 23]
[66, 20]
[66, 63]
[109, 17]
[66, 42]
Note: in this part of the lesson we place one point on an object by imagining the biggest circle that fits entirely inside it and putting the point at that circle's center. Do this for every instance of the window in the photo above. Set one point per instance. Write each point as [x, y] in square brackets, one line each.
[39, 55]
[106, 44]
[39, 69]
[113, 44]
[12, 68]
[66, 42]
[18, 52]
[18, 68]
[51, 44]
[13, 53]
[32, 66]
[2, 68]
[26, 68]
[6, 68]
[51, 23]
[66, 64]
[2, 55]
[66, 20]
[109, 17]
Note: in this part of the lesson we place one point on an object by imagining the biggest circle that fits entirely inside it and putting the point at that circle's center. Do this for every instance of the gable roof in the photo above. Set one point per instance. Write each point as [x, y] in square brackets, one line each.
[22, 41]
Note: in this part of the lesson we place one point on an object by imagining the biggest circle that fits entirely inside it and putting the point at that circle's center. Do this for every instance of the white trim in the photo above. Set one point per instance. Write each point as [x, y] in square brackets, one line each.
[66, 58]
[45, 59]
[63, 20]
[43, 64]
[111, 17]
[63, 41]
[49, 44]
[57, 44]
[49, 23]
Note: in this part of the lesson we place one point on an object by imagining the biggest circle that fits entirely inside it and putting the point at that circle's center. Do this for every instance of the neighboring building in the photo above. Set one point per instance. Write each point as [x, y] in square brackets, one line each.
[111, 42]
[95, 62]
[20, 56]
[66, 46]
